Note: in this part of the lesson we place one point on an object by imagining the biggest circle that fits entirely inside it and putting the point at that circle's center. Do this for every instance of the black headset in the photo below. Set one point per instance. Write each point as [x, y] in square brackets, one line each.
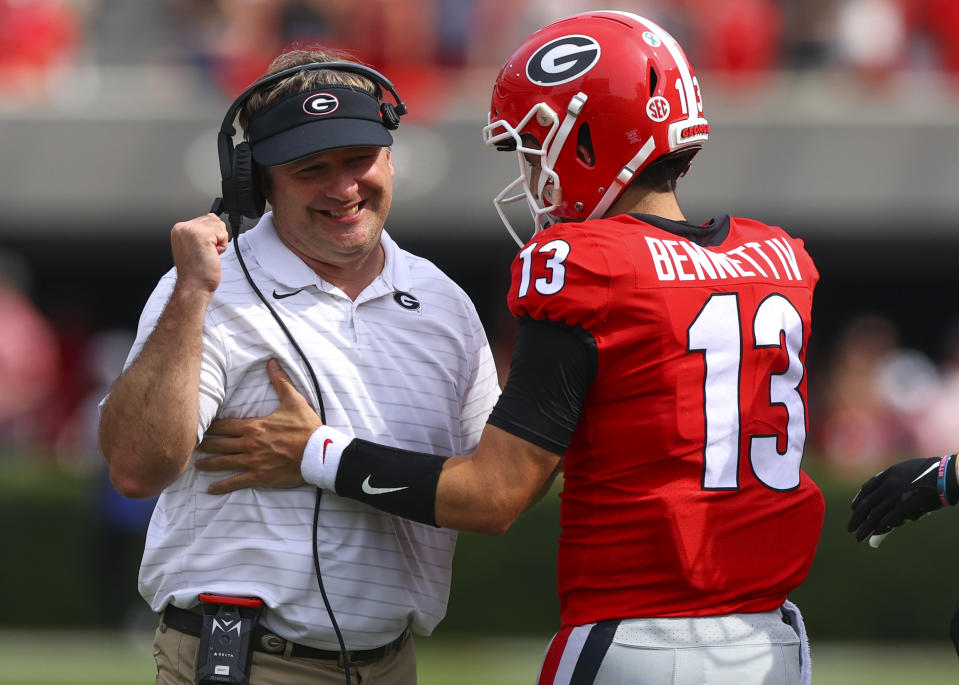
[242, 196]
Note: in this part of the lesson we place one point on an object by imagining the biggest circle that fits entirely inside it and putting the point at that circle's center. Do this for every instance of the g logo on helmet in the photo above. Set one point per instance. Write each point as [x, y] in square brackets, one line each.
[562, 60]
[320, 104]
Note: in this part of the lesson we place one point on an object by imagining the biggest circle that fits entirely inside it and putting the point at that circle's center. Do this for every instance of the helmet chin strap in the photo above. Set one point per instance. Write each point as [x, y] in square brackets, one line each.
[623, 179]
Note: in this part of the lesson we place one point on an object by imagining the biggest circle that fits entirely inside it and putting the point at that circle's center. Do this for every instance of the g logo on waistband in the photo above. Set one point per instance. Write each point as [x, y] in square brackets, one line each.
[320, 104]
[562, 60]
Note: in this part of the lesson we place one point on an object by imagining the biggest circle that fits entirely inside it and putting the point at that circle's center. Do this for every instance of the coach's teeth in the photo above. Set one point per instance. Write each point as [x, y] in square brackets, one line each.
[346, 212]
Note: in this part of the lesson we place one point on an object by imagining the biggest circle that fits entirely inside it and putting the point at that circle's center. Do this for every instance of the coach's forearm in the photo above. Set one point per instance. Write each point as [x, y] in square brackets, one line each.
[148, 424]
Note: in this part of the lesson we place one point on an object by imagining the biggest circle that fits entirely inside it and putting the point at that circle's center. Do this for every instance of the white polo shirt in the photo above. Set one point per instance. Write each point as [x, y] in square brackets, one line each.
[407, 364]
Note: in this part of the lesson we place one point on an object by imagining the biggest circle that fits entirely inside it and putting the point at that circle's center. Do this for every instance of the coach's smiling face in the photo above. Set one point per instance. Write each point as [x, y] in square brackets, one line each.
[330, 208]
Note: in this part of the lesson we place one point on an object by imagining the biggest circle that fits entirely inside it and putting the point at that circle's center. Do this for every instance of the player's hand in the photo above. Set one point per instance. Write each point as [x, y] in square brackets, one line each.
[906, 490]
[197, 245]
[267, 450]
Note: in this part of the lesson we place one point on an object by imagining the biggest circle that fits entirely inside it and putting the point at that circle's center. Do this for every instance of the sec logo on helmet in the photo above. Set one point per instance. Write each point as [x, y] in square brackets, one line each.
[562, 60]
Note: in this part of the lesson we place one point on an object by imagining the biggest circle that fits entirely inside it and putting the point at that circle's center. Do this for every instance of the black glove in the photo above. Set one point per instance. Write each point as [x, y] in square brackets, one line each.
[906, 490]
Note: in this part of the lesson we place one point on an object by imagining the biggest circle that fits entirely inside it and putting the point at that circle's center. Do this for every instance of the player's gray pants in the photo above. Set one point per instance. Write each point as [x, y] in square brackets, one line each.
[736, 649]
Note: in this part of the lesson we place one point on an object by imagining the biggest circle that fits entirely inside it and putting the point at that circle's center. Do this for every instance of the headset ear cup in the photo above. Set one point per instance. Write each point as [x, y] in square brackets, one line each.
[391, 119]
[249, 199]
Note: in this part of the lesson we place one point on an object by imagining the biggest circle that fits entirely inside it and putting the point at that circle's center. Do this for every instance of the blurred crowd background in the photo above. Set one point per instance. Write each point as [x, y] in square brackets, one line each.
[230, 42]
[874, 398]
[884, 366]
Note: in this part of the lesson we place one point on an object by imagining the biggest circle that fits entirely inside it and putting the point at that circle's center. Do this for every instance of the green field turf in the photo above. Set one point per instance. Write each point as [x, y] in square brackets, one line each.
[42, 658]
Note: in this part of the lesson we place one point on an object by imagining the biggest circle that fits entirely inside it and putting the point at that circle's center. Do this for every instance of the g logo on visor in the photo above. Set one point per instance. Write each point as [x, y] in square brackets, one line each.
[320, 104]
[562, 60]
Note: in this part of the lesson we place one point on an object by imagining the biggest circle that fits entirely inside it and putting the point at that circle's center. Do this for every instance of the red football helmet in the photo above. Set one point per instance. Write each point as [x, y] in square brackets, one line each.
[596, 97]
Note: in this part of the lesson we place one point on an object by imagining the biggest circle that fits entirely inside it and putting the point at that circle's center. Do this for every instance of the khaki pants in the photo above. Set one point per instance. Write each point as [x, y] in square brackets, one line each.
[175, 655]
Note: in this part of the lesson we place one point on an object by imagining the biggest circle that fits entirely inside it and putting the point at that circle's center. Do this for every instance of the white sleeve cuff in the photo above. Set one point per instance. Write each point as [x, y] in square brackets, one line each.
[321, 457]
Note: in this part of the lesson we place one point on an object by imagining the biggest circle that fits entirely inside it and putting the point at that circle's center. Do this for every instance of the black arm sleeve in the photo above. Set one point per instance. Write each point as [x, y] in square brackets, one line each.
[391, 479]
[553, 366]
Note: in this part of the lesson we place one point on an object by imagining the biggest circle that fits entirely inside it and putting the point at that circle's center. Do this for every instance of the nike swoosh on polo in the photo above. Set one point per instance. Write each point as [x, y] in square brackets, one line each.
[370, 490]
[280, 296]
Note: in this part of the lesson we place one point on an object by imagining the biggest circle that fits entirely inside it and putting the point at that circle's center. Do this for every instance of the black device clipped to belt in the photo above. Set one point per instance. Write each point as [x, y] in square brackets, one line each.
[225, 639]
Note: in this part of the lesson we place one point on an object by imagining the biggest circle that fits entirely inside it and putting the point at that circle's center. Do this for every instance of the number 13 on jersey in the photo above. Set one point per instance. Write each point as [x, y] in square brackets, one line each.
[555, 253]
[716, 333]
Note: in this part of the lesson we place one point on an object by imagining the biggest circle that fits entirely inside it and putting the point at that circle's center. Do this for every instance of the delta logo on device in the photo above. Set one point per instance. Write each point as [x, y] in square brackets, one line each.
[226, 626]
[563, 59]
[320, 104]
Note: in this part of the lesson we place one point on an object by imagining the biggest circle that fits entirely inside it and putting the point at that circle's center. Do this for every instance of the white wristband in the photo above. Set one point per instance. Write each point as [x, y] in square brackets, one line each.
[321, 457]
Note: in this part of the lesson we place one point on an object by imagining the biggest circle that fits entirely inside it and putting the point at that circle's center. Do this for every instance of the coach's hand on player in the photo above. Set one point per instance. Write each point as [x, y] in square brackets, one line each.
[267, 450]
[906, 490]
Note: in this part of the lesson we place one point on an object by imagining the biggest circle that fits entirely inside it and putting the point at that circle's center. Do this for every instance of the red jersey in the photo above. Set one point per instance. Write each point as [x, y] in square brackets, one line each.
[683, 493]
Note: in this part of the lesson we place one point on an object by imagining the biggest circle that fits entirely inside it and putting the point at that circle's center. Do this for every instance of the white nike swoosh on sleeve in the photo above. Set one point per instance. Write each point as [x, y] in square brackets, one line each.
[371, 490]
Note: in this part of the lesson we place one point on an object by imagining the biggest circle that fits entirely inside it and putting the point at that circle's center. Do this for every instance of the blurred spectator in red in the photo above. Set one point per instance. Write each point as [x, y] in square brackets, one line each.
[100, 360]
[29, 359]
[247, 37]
[940, 21]
[239, 38]
[37, 39]
[854, 427]
[403, 39]
[398, 38]
[937, 427]
[390, 33]
[871, 38]
[740, 38]
[910, 384]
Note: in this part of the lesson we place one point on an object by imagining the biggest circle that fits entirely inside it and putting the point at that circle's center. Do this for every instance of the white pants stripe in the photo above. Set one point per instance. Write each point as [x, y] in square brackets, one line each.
[574, 646]
[735, 649]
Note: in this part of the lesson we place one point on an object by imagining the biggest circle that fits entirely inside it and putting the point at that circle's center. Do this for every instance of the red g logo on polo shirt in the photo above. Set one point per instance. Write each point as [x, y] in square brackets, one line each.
[320, 104]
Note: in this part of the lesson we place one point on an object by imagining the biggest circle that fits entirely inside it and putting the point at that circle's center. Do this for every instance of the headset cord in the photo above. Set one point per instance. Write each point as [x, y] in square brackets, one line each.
[319, 398]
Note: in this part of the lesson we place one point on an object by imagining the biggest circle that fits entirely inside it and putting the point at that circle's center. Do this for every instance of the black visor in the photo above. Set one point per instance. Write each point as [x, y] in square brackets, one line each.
[327, 118]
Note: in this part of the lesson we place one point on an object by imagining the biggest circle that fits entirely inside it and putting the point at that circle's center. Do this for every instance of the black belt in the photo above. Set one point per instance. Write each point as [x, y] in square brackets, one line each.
[263, 640]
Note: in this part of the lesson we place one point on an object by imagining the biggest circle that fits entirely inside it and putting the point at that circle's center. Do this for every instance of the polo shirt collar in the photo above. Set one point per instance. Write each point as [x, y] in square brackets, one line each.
[396, 270]
[289, 270]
